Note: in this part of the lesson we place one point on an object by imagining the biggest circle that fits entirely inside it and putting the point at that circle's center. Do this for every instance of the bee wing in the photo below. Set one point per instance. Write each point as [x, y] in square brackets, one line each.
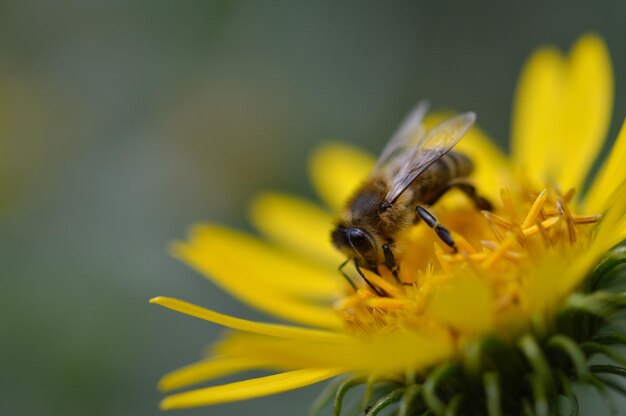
[433, 145]
[410, 130]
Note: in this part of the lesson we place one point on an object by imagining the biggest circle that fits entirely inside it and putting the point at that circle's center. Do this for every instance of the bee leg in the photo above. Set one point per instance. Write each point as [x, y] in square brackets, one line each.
[442, 232]
[470, 190]
[345, 275]
[374, 288]
[390, 262]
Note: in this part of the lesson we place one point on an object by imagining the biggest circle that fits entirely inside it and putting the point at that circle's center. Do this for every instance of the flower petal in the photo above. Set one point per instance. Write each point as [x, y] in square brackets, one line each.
[248, 389]
[297, 224]
[452, 300]
[562, 111]
[535, 115]
[612, 228]
[264, 277]
[388, 354]
[206, 370]
[609, 177]
[274, 330]
[586, 110]
[337, 170]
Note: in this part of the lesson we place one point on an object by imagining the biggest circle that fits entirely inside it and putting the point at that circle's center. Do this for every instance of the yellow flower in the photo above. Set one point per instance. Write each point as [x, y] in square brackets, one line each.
[519, 271]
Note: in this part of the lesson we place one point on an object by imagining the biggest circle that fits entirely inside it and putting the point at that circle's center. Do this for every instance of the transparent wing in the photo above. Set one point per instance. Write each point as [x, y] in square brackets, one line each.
[410, 130]
[433, 145]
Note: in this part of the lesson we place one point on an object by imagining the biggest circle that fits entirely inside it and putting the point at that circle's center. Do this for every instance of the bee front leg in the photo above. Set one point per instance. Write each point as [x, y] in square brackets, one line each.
[442, 232]
[360, 272]
[358, 269]
[390, 261]
[345, 275]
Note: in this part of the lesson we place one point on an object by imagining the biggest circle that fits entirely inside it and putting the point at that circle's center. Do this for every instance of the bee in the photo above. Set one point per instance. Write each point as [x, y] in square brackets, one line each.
[414, 170]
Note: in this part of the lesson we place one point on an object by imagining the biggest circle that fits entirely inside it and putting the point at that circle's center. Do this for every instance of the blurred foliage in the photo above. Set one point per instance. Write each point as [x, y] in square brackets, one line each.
[122, 124]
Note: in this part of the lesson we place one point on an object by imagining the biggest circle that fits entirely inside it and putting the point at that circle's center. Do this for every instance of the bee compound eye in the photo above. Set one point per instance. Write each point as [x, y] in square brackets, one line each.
[359, 240]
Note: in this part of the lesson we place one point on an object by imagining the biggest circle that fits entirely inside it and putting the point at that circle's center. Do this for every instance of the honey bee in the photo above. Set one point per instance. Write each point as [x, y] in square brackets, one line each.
[414, 170]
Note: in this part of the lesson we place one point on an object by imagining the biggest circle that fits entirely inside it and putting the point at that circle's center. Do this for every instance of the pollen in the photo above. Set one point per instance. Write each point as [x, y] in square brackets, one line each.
[495, 250]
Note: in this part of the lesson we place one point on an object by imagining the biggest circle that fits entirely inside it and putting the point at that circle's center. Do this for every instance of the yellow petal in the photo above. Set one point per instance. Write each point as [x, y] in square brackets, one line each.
[274, 330]
[206, 370]
[542, 285]
[451, 302]
[297, 224]
[263, 277]
[491, 168]
[337, 170]
[562, 111]
[612, 173]
[612, 228]
[388, 354]
[248, 389]
[535, 116]
[586, 110]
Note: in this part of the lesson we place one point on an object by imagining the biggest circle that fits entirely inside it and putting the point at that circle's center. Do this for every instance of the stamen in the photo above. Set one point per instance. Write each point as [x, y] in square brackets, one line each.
[567, 198]
[347, 302]
[363, 293]
[542, 214]
[386, 303]
[498, 220]
[507, 200]
[494, 228]
[381, 283]
[445, 265]
[535, 209]
[567, 216]
[534, 229]
[586, 219]
[463, 245]
[509, 254]
[544, 234]
[499, 252]
[460, 258]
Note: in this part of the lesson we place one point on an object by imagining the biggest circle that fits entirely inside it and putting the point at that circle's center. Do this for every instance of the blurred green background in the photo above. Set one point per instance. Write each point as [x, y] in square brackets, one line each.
[122, 124]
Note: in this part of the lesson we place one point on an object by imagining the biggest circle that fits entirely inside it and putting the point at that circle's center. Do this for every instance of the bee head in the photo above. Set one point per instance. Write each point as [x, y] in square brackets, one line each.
[355, 241]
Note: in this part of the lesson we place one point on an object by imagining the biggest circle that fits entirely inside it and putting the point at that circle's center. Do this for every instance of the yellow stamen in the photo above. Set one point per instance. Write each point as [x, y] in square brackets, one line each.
[463, 245]
[494, 228]
[534, 229]
[507, 200]
[567, 216]
[567, 198]
[459, 258]
[544, 234]
[499, 252]
[378, 281]
[509, 254]
[535, 209]
[347, 302]
[586, 219]
[365, 293]
[498, 220]
[386, 303]
[441, 257]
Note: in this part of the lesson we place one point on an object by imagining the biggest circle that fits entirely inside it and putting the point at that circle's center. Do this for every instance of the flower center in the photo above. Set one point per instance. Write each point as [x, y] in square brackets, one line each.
[486, 283]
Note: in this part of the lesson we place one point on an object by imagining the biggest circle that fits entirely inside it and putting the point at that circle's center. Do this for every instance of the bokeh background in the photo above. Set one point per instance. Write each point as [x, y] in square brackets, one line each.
[122, 123]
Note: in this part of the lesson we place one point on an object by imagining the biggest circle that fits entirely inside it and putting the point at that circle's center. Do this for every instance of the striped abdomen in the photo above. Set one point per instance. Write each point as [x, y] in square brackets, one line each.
[436, 180]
